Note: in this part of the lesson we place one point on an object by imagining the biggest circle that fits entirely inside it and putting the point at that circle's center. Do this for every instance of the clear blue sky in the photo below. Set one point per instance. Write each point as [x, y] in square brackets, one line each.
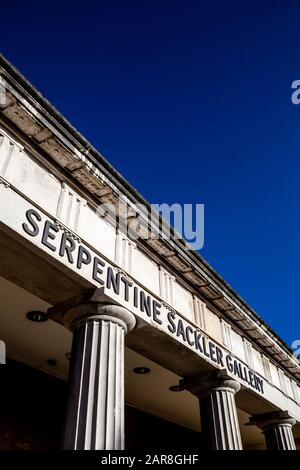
[190, 101]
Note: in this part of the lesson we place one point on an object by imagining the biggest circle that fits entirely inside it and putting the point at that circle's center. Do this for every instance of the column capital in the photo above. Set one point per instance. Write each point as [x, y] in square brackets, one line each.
[91, 307]
[266, 421]
[204, 384]
[96, 311]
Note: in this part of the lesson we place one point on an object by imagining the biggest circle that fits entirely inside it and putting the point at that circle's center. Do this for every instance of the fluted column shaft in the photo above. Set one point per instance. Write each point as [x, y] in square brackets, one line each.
[95, 410]
[277, 428]
[219, 420]
[280, 437]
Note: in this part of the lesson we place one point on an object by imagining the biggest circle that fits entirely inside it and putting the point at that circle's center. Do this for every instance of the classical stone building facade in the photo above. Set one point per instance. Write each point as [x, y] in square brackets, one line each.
[157, 347]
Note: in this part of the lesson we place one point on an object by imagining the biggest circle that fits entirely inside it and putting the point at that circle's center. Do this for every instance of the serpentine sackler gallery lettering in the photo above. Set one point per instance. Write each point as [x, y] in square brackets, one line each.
[79, 255]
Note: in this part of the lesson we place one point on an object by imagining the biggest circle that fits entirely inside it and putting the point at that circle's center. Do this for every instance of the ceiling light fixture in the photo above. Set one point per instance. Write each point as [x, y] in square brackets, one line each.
[141, 370]
[37, 316]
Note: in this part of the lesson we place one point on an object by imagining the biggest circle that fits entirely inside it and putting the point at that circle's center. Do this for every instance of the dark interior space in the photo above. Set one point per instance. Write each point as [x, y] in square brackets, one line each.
[147, 432]
[32, 409]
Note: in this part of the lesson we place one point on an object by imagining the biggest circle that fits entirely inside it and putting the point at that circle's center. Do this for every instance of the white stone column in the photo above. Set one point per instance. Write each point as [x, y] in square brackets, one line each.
[219, 420]
[277, 428]
[95, 409]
